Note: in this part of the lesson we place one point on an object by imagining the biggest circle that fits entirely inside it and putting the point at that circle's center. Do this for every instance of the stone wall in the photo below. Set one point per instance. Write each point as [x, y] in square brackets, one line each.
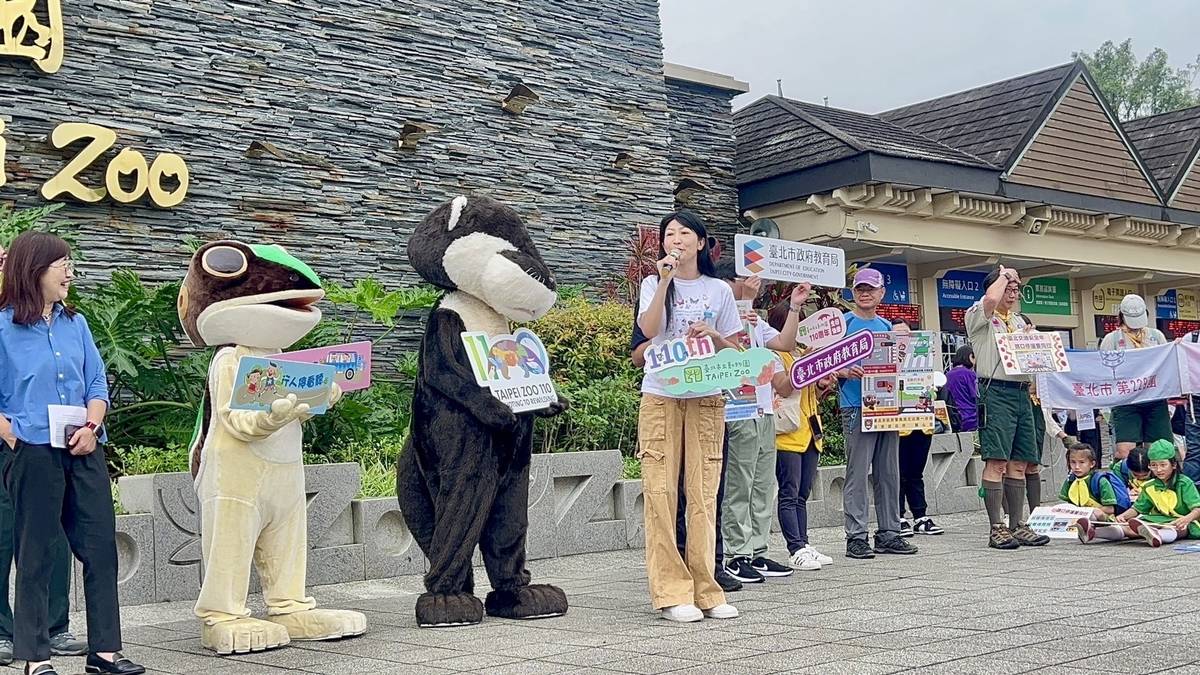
[702, 148]
[578, 503]
[289, 116]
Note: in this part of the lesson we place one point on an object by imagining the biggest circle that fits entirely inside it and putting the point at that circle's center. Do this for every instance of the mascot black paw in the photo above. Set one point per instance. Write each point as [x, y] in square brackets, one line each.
[463, 477]
[536, 601]
[439, 611]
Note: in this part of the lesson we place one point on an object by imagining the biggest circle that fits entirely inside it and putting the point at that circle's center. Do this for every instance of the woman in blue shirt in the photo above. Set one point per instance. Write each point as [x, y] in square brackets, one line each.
[49, 358]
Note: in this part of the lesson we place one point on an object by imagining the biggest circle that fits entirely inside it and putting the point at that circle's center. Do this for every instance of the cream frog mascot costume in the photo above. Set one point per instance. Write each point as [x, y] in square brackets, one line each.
[253, 300]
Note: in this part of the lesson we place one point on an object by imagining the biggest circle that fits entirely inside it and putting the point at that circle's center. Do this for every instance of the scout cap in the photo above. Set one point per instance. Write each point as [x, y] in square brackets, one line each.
[869, 277]
[1161, 450]
[1133, 309]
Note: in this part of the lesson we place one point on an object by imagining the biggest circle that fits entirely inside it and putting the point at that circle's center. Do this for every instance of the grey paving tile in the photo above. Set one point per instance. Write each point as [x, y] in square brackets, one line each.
[649, 665]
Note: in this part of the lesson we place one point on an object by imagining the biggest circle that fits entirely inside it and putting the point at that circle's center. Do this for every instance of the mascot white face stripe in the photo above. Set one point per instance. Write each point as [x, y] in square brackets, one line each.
[509, 288]
[456, 209]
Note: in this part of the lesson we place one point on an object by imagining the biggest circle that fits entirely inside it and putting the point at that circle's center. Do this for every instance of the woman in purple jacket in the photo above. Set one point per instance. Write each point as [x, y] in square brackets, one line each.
[961, 393]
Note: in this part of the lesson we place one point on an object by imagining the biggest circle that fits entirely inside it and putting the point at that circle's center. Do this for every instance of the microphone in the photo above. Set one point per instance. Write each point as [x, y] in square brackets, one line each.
[669, 266]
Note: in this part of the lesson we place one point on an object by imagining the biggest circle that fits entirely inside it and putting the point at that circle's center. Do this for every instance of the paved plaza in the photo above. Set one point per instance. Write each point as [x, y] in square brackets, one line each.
[956, 607]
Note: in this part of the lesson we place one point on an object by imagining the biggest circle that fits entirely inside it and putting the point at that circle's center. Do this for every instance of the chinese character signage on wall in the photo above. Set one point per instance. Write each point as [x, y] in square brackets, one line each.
[32, 30]
[790, 261]
[960, 288]
[1175, 304]
[1047, 295]
[898, 388]
[1106, 299]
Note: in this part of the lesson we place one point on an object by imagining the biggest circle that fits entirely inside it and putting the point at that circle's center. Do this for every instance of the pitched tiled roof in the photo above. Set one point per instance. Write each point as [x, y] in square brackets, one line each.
[778, 135]
[1166, 142]
[989, 122]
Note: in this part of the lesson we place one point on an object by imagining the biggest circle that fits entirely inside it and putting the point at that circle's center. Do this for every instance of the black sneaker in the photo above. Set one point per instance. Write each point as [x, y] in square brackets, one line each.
[770, 568]
[739, 568]
[894, 545]
[726, 582]
[906, 528]
[927, 526]
[1002, 539]
[1027, 537]
[860, 549]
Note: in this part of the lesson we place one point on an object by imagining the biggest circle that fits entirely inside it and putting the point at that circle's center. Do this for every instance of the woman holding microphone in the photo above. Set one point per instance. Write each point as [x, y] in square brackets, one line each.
[48, 358]
[684, 300]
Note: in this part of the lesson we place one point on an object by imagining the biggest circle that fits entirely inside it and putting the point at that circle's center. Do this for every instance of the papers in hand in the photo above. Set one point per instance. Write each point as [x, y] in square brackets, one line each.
[60, 417]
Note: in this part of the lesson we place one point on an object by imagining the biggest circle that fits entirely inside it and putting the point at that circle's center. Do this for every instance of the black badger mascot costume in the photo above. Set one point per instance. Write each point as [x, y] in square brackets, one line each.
[463, 477]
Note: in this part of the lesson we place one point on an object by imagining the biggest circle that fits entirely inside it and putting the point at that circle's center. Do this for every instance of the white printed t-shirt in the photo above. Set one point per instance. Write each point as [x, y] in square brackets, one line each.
[705, 299]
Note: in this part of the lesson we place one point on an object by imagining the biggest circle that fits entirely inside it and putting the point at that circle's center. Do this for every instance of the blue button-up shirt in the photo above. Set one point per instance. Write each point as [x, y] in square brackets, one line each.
[42, 365]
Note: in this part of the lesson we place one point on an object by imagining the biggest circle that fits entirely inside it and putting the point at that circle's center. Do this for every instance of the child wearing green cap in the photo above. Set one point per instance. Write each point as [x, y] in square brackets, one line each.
[1168, 505]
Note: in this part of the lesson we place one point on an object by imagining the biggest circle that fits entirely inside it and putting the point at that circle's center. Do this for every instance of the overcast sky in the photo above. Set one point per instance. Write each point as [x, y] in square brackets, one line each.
[871, 55]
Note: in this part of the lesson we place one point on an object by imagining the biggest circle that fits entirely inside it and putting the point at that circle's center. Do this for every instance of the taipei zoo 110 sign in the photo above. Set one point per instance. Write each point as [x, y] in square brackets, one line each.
[32, 30]
[516, 368]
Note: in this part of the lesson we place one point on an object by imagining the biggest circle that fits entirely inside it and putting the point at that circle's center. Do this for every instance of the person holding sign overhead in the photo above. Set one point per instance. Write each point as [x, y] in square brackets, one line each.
[874, 453]
[1145, 422]
[49, 358]
[685, 300]
[1005, 421]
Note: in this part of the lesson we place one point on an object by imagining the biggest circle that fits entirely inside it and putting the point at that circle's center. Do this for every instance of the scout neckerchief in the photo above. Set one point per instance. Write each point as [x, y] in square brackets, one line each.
[1137, 337]
[1164, 498]
[1007, 318]
[1080, 494]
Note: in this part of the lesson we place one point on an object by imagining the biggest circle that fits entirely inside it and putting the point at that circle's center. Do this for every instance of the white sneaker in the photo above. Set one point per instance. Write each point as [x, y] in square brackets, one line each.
[685, 613]
[804, 561]
[723, 611]
[818, 556]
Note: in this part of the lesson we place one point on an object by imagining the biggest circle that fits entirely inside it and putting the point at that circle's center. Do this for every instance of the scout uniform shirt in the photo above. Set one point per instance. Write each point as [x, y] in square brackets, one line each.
[1119, 340]
[1162, 502]
[982, 331]
[1078, 491]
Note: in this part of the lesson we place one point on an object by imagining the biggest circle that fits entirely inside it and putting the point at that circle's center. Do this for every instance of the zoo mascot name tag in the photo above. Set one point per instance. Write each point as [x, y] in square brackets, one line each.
[260, 381]
[351, 362]
[515, 367]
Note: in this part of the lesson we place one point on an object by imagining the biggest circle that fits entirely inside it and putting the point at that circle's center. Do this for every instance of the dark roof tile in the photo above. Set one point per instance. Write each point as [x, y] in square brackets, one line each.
[989, 121]
[1166, 142]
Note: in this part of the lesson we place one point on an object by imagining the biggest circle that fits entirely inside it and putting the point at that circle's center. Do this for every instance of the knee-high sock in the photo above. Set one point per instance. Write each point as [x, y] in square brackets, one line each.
[993, 495]
[1033, 489]
[1167, 534]
[1110, 532]
[1014, 490]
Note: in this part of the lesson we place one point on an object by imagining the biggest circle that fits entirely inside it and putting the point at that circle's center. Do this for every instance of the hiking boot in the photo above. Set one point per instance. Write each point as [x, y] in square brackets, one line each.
[739, 568]
[860, 549]
[894, 545]
[1027, 537]
[906, 528]
[925, 525]
[66, 644]
[1002, 539]
[770, 568]
[726, 582]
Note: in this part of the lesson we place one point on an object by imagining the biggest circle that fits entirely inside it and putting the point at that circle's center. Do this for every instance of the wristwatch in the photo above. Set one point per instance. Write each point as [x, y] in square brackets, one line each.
[93, 426]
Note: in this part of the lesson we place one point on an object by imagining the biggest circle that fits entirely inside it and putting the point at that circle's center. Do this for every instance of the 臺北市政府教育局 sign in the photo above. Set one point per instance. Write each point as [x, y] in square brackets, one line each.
[32, 30]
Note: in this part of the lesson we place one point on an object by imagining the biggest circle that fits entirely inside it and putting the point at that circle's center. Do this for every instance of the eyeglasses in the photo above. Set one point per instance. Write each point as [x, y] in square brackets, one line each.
[68, 265]
[1013, 289]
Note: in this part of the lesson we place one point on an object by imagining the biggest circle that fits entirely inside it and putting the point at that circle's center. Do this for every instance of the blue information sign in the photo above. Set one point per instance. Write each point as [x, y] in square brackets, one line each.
[960, 288]
[1167, 305]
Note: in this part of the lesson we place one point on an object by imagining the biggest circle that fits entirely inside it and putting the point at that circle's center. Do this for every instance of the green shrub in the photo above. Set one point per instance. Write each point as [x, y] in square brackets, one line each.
[588, 340]
[139, 460]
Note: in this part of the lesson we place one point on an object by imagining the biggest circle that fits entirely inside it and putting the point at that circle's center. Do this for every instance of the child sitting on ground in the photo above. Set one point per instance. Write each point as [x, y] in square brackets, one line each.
[1169, 500]
[1134, 470]
[1084, 487]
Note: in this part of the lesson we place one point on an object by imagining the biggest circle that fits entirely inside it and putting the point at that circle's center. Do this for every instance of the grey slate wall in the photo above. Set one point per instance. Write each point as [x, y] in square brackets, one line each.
[331, 84]
[702, 148]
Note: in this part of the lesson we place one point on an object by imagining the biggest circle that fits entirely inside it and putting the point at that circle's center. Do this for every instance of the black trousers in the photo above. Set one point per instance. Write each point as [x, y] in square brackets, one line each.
[914, 453]
[681, 512]
[52, 490]
[795, 473]
[60, 568]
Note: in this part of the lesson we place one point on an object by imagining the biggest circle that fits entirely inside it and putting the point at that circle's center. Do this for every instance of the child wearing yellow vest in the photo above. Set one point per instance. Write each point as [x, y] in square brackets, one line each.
[1169, 504]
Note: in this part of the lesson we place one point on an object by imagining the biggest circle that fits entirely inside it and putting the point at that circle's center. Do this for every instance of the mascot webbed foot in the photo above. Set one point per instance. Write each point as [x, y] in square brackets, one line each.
[321, 624]
[538, 601]
[242, 635]
[439, 611]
